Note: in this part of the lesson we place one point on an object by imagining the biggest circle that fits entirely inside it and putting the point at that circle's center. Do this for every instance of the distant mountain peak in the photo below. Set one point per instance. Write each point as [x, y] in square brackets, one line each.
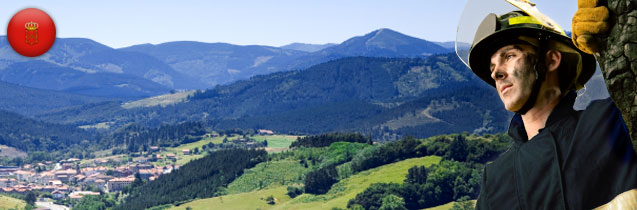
[385, 42]
[386, 37]
[385, 31]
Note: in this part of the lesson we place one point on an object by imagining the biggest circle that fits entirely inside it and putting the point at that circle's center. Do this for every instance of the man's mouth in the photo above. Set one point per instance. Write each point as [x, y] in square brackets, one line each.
[504, 88]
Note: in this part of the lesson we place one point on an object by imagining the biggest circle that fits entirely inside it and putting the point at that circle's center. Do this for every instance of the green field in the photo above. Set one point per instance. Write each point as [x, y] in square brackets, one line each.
[276, 141]
[268, 175]
[183, 159]
[442, 207]
[7, 202]
[446, 206]
[347, 189]
[338, 196]
[200, 143]
[161, 100]
[249, 200]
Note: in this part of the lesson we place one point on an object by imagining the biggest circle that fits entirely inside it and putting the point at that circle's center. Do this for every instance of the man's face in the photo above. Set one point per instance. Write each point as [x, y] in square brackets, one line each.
[512, 70]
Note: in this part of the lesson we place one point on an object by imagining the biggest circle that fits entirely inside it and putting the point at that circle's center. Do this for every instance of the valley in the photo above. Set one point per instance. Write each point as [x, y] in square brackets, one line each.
[380, 119]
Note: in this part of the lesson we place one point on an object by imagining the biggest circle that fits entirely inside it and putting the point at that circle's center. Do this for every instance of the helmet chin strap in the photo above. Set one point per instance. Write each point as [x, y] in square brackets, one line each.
[540, 75]
[539, 78]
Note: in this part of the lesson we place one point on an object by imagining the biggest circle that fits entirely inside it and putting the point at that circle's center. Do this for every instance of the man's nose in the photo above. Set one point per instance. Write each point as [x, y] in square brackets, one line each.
[498, 72]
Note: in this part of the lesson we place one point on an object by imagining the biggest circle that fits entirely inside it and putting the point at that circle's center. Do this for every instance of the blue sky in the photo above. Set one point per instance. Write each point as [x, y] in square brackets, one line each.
[121, 23]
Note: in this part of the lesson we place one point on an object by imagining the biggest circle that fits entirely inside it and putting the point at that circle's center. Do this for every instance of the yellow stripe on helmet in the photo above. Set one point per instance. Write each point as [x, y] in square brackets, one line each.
[523, 20]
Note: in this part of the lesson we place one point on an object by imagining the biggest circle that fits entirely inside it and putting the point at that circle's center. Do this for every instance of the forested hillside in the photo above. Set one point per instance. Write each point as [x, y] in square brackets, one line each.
[340, 175]
[31, 101]
[200, 178]
[384, 97]
[31, 135]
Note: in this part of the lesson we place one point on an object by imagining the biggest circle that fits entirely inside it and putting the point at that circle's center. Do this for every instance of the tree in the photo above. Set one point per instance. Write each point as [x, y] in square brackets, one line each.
[95, 202]
[463, 204]
[270, 200]
[458, 149]
[417, 175]
[200, 178]
[393, 202]
[460, 188]
[137, 182]
[320, 181]
[373, 196]
[30, 198]
[294, 191]
[325, 140]
[357, 207]
[18, 161]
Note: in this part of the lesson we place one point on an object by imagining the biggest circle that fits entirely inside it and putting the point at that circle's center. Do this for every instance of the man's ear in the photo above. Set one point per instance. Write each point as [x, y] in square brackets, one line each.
[553, 60]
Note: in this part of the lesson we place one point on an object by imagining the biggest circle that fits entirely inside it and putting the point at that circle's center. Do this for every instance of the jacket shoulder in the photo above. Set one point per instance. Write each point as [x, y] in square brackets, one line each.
[600, 108]
[498, 184]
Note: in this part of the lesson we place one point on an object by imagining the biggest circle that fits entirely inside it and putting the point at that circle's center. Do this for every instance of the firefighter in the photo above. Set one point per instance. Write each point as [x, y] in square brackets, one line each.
[560, 158]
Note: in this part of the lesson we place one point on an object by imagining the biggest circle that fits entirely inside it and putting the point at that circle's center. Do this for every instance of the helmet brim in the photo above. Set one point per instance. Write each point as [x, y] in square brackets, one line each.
[481, 52]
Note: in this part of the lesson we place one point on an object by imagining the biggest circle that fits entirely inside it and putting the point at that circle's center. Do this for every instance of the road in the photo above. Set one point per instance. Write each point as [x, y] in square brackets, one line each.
[51, 205]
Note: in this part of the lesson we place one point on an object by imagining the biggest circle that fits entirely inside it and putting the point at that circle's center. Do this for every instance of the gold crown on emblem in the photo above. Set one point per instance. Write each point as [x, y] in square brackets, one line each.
[31, 26]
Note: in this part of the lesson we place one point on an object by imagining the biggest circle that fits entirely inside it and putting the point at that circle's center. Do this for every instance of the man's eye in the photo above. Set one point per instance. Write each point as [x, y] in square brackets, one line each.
[509, 56]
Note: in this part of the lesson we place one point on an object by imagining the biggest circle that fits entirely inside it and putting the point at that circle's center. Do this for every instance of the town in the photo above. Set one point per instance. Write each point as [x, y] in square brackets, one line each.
[69, 180]
[73, 179]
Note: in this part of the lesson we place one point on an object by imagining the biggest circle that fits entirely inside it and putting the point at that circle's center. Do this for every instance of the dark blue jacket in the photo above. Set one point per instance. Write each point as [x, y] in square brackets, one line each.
[580, 160]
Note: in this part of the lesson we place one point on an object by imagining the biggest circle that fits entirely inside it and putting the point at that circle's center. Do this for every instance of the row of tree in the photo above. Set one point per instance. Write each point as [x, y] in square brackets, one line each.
[200, 178]
[31, 135]
[455, 178]
[425, 187]
[325, 140]
[137, 138]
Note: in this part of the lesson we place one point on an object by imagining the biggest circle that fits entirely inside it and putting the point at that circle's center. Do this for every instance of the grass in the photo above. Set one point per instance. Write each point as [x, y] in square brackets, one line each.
[200, 143]
[274, 142]
[11, 152]
[7, 202]
[249, 200]
[268, 175]
[183, 159]
[347, 189]
[446, 206]
[442, 207]
[102, 125]
[161, 100]
[338, 196]
[88, 161]
[277, 141]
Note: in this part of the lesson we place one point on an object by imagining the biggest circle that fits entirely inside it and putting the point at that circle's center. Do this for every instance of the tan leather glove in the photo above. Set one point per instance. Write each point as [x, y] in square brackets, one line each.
[589, 20]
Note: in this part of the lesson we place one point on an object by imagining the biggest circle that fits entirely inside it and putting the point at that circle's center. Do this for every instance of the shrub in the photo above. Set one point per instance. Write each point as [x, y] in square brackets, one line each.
[294, 191]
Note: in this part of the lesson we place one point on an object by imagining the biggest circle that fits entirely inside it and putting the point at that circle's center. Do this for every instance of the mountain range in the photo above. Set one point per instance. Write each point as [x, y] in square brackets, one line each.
[403, 96]
[307, 47]
[84, 66]
[402, 85]
[146, 70]
[220, 63]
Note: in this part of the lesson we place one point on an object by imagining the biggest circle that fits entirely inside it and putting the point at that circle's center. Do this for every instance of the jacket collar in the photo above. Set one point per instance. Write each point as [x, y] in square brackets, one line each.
[563, 109]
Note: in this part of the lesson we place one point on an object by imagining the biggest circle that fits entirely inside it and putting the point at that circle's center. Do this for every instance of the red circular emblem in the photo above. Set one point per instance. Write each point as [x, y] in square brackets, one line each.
[31, 32]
